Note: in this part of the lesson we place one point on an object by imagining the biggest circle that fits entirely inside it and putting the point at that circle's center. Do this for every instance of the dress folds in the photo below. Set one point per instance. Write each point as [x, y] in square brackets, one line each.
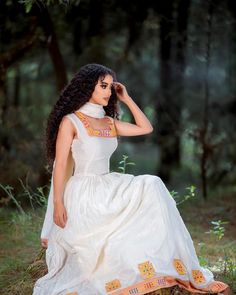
[124, 234]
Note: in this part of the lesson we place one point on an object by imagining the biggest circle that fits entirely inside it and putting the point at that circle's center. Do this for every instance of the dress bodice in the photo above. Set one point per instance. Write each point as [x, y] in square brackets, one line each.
[90, 151]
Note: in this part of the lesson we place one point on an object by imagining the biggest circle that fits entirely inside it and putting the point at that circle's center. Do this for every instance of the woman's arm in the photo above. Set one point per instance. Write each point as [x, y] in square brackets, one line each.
[63, 144]
[142, 126]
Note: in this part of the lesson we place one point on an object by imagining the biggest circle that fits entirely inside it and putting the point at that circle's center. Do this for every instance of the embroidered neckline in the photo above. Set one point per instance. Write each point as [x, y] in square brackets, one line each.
[111, 132]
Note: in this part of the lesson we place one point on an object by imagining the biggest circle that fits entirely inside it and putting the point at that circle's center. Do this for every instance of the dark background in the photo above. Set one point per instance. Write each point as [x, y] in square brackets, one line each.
[177, 59]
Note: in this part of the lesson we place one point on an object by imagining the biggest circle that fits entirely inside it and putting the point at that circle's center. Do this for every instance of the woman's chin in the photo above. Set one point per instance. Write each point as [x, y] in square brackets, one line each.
[105, 103]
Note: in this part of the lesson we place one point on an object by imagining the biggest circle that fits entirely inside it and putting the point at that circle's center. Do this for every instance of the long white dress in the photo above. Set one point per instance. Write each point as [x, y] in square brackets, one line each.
[124, 234]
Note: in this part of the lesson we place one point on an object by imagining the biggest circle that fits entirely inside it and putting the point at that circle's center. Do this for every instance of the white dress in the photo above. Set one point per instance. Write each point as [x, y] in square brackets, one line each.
[124, 234]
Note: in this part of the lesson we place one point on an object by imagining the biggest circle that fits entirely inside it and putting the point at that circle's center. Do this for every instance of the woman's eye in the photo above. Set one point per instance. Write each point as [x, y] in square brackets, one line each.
[103, 86]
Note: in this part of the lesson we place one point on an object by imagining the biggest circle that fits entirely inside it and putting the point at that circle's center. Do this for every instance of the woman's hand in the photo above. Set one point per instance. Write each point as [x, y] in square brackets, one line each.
[121, 92]
[44, 243]
[59, 214]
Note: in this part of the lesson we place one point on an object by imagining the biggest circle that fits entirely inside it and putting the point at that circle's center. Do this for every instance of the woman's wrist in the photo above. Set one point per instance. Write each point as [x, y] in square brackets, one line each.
[127, 99]
[57, 201]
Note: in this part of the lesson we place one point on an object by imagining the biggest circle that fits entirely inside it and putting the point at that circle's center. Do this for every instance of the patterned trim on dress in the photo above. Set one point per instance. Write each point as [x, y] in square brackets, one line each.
[111, 132]
[113, 285]
[151, 282]
[179, 266]
[162, 282]
[198, 276]
[146, 270]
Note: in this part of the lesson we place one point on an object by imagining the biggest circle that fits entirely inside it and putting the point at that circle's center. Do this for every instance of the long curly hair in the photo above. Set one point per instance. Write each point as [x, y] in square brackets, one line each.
[76, 93]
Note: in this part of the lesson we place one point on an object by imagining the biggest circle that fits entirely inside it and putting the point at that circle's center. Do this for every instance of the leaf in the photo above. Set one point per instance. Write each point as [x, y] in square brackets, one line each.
[28, 7]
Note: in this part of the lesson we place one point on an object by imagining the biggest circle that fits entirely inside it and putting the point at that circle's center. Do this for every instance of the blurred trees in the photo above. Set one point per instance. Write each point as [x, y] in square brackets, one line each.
[177, 59]
[173, 40]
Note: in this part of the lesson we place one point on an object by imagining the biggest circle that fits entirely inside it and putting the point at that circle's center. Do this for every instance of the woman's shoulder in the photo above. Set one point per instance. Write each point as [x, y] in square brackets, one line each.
[71, 117]
[67, 121]
[70, 121]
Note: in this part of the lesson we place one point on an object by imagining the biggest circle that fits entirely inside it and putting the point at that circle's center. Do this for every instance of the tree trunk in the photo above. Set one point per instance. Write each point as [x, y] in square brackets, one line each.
[172, 65]
[46, 23]
[205, 127]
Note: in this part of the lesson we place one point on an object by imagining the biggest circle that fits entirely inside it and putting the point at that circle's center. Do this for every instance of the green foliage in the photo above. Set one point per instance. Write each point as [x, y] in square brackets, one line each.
[189, 195]
[21, 243]
[9, 192]
[218, 229]
[39, 197]
[124, 164]
[21, 219]
[29, 3]
[226, 265]
[204, 262]
[226, 262]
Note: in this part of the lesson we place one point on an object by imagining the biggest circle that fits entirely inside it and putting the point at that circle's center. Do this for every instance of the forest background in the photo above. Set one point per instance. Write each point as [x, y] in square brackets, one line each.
[177, 59]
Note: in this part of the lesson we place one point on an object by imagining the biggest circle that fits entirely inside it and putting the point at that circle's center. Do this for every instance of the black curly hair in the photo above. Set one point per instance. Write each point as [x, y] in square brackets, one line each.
[78, 91]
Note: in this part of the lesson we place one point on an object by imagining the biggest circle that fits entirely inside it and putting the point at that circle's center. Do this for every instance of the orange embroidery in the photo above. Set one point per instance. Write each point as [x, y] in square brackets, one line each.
[148, 285]
[73, 293]
[179, 266]
[111, 132]
[163, 284]
[198, 276]
[146, 270]
[113, 285]
[216, 287]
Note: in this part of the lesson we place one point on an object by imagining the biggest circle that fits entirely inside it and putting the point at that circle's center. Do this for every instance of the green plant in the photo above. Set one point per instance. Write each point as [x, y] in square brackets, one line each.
[202, 255]
[124, 163]
[28, 4]
[39, 197]
[190, 194]
[9, 192]
[226, 263]
[218, 229]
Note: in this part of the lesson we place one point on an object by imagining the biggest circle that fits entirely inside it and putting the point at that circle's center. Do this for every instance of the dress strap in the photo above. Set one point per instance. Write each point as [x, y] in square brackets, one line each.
[78, 125]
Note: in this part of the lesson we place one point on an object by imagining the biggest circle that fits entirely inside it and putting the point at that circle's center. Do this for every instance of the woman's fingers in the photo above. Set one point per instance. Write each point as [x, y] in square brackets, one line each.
[118, 83]
[60, 217]
[65, 216]
[44, 243]
[63, 223]
[63, 220]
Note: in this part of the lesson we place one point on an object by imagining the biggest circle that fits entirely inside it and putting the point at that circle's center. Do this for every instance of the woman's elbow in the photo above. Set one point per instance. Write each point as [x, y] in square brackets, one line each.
[149, 130]
[60, 164]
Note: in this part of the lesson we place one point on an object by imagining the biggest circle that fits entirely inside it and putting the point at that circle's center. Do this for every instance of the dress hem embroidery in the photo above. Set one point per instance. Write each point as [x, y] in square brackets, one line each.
[156, 283]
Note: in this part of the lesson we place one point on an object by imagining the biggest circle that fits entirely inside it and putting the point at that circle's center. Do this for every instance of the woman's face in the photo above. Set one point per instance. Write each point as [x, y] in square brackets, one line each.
[102, 91]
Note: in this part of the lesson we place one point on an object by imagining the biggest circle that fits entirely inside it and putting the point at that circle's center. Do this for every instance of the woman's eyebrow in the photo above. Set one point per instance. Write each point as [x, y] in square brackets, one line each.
[106, 83]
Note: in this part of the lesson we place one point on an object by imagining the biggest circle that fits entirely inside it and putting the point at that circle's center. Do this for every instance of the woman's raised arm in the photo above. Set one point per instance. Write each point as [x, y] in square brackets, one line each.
[142, 126]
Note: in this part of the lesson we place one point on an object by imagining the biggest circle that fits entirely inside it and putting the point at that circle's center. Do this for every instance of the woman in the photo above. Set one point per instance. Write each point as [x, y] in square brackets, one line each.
[108, 232]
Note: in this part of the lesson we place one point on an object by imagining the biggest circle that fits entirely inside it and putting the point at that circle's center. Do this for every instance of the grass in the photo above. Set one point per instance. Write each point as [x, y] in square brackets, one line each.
[215, 242]
[19, 245]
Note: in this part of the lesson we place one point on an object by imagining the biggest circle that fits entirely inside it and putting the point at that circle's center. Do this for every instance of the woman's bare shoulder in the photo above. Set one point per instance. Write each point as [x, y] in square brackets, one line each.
[66, 124]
